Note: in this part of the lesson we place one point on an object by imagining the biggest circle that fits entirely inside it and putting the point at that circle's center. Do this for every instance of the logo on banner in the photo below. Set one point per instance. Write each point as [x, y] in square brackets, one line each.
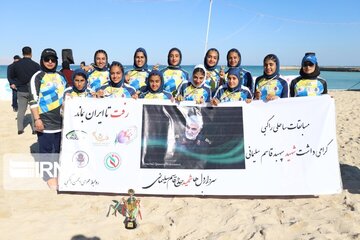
[76, 135]
[126, 136]
[112, 161]
[81, 159]
[100, 138]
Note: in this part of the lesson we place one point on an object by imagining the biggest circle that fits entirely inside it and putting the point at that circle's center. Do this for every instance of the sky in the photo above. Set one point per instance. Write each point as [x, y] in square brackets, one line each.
[256, 28]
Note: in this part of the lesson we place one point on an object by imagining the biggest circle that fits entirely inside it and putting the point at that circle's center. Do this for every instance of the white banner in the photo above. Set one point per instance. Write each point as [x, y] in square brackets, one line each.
[283, 147]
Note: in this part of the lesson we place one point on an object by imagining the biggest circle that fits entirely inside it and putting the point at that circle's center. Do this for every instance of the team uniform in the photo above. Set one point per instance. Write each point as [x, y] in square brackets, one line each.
[273, 84]
[137, 78]
[160, 93]
[73, 91]
[301, 87]
[190, 92]
[112, 90]
[212, 77]
[274, 87]
[308, 84]
[246, 78]
[173, 75]
[47, 89]
[164, 95]
[239, 93]
[98, 78]
[138, 75]
[226, 94]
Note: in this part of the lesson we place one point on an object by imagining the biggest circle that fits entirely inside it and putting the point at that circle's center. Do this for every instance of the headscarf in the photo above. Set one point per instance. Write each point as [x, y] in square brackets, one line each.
[147, 81]
[48, 52]
[192, 76]
[237, 72]
[107, 59]
[122, 80]
[276, 74]
[145, 66]
[79, 72]
[227, 57]
[205, 59]
[172, 66]
[310, 57]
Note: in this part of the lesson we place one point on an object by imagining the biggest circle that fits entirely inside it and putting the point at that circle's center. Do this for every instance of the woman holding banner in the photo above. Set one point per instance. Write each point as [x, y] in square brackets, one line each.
[308, 83]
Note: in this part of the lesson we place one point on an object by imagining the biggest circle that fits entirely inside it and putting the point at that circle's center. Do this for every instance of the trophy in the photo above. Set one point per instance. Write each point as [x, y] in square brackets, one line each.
[131, 210]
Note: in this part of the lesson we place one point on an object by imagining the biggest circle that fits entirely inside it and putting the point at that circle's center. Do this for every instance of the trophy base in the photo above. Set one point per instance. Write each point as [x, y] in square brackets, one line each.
[130, 224]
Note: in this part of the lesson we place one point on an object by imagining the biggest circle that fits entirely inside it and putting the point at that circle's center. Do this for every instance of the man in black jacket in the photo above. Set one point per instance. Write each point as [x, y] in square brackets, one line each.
[21, 74]
[14, 103]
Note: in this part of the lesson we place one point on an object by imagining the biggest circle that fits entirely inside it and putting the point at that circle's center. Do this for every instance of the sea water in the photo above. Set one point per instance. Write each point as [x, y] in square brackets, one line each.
[335, 80]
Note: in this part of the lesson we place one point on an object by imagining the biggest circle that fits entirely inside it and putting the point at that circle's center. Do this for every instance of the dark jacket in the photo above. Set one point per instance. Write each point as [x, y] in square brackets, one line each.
[9, 70]
[21, 73]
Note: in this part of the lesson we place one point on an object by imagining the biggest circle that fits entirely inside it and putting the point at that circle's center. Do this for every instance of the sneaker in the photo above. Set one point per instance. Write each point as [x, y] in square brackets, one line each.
[20, 132]
[15, 109]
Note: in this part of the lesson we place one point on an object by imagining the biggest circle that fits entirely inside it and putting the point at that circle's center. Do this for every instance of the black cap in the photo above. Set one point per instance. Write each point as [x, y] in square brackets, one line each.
[48, 52]
[16, 57]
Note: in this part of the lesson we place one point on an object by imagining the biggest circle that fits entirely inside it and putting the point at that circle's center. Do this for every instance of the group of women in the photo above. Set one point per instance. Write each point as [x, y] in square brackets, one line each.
[207, 83]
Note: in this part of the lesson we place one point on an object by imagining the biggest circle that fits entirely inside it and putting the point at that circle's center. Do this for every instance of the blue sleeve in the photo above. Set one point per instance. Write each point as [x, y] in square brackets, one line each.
[168, 95]
[89, 73]
[256, 84]
[249, 81]
[218, 93]
[142, 94]
[181, 89]
[131, 90]
[163, 70]
[208, 95]
[323, 82]
[249, 95]
[186, 74]
[103, 87]
[292, 86]
[285, 90]
[8, 73]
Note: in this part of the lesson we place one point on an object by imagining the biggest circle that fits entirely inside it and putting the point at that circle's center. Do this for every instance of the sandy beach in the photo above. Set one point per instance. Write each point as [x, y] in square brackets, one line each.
[46, 214]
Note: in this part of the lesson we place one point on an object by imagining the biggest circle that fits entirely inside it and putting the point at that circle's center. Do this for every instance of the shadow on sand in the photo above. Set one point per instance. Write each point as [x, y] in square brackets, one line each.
[351, 178]
[82, 237]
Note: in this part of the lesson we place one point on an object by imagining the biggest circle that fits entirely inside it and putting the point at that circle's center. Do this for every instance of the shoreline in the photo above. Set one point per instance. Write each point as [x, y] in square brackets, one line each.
[326, 68]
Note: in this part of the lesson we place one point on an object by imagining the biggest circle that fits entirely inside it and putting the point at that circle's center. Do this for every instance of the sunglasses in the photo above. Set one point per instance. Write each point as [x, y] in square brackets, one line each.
[79, 80]
[308, 64]
[48, 59]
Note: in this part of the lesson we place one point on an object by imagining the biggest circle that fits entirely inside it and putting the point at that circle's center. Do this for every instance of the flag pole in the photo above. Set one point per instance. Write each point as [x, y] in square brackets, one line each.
[208, 27]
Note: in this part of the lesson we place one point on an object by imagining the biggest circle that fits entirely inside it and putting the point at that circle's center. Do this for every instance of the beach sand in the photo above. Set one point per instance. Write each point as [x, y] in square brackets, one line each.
[45, 214]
